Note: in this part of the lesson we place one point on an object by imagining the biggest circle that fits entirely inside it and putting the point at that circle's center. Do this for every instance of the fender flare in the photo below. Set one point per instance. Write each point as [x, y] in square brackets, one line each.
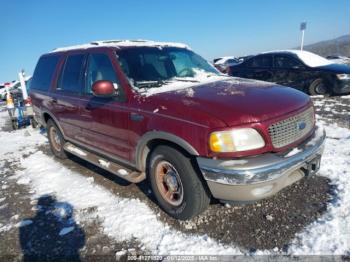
[142, 149]
[54, 119]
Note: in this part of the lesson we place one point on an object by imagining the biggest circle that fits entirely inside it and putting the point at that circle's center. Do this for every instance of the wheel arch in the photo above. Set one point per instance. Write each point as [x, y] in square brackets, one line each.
[153, 138]
[46, 115]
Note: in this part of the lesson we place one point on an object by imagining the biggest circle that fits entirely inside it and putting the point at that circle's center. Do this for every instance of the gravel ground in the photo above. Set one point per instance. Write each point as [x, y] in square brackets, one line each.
[267, 224]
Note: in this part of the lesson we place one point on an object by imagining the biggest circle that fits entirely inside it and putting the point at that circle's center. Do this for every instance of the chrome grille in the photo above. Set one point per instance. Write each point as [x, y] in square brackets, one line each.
[289, 130]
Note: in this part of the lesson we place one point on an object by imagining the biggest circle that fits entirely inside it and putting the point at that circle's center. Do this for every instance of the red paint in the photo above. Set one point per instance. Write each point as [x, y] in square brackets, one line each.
[220, 105]
[103, 88]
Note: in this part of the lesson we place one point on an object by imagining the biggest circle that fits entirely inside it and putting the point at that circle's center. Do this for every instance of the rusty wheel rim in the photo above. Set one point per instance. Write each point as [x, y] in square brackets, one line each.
[55, 139]
[169, 183]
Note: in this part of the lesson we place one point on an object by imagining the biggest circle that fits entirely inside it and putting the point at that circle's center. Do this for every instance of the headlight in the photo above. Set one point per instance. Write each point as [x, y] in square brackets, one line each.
[235, 140]
[343, 76]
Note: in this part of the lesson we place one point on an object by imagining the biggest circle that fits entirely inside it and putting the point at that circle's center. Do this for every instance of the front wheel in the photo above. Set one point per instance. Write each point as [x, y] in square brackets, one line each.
[176, 185]
[318, 87]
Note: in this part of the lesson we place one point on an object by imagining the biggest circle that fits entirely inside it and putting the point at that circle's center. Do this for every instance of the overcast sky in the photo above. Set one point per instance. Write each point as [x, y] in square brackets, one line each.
[212, 28]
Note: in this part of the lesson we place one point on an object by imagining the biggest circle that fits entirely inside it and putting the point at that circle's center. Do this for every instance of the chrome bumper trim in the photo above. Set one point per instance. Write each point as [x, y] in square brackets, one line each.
[263, 168]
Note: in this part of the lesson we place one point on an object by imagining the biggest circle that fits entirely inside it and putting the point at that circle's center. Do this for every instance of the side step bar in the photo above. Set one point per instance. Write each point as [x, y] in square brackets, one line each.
[118, 170]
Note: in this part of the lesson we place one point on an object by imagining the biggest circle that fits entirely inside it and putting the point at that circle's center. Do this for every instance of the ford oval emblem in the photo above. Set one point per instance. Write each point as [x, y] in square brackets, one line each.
[301, 125]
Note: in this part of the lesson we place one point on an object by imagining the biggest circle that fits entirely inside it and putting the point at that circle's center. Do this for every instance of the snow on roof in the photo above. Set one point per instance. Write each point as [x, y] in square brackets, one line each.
[122, 43]
[223, 59]
[308, 58]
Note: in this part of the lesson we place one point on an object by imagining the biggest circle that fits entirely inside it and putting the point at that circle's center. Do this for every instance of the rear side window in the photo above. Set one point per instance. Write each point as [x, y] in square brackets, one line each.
[71, 78]
[260, 62]
[44, 72]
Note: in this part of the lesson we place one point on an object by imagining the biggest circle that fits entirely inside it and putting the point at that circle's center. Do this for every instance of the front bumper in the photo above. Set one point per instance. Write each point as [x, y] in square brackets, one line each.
[258, 177]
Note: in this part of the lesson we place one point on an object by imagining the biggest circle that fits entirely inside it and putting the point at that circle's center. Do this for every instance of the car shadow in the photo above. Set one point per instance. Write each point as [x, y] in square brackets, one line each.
[142, 186]
[75, 163]
[52, 234]
[98, 170]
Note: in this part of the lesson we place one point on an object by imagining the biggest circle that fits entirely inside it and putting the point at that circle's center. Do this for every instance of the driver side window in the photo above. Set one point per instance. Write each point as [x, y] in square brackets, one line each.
[99, 68]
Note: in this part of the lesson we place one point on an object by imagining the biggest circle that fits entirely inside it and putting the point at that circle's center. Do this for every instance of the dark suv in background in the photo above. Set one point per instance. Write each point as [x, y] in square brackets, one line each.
[302, 70]
[144, 109]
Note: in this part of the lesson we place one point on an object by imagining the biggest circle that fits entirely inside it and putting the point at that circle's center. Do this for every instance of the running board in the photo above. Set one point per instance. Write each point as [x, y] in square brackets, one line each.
[112, 167]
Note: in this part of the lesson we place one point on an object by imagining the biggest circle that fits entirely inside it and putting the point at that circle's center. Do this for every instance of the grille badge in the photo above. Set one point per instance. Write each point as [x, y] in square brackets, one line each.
[301, 125]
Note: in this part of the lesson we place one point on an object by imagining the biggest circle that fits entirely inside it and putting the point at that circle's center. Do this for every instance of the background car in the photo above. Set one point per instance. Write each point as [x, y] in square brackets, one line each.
[339, 59]
[222, 63]
[2, 91]
[302, 70]
[14, 87]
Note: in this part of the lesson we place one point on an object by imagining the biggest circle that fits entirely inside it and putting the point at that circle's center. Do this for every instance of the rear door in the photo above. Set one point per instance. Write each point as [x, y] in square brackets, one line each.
[66, 98]
[105, 120]
[259, 67]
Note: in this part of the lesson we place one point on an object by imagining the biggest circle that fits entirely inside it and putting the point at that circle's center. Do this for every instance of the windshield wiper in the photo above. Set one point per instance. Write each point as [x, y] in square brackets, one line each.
[149, 84]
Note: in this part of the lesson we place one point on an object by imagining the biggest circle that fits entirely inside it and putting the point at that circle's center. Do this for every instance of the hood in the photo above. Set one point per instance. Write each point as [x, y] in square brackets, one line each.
[336, 68]
[234, 101]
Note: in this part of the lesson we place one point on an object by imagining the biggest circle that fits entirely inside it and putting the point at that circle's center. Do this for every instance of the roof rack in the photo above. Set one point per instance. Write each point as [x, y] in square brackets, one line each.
[119, 41]
[119, 44]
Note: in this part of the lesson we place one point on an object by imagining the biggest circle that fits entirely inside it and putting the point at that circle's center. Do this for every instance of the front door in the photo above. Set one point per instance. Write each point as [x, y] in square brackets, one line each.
[105, 120]
[289, 71]
[260, 68]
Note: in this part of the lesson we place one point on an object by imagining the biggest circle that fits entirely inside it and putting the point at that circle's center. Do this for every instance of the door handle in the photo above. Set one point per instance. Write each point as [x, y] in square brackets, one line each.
[136, 117]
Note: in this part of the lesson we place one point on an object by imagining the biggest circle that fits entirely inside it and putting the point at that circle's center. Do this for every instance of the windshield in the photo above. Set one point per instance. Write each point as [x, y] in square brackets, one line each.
[152, 66]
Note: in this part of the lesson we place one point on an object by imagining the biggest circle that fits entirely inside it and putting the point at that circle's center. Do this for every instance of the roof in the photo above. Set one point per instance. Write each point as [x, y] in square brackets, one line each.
[223, 59]
[120, 44]
[287, 51]
[308, 58]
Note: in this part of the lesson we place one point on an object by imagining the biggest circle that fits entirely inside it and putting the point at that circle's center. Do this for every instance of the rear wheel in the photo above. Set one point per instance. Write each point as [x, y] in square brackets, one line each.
[318, 87]
[56, 140]
[177, 187]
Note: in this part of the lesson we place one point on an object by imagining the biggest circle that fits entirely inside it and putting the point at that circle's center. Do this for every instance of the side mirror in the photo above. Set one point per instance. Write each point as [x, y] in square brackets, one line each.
[103, 88]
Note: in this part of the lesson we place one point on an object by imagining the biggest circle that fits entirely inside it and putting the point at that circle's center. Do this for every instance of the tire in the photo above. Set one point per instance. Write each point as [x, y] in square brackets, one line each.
[318, 87]
[56, 140]
[191, 197]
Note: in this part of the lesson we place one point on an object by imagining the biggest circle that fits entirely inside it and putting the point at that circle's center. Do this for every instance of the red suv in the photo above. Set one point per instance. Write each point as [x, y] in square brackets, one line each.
[158, 111]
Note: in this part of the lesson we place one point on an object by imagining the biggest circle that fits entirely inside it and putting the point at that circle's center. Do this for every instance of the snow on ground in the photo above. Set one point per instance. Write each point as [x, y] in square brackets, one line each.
[125, 219]
[331, 233]
[122, 218]
[17, 143]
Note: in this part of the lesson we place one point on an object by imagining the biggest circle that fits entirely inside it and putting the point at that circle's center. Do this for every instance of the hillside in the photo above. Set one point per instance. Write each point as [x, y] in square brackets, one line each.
[337, 46]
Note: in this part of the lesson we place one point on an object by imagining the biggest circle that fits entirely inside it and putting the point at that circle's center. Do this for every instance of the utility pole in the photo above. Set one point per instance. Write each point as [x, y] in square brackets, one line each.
[302, 29]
